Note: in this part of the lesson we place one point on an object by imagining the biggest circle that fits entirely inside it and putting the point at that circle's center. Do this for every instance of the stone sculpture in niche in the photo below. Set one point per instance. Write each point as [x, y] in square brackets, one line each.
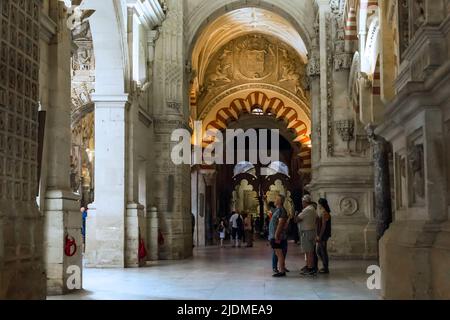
[416, 168]
[419, 14]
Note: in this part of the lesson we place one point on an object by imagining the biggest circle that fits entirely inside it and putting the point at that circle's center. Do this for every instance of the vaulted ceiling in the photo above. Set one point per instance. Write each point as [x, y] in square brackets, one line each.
[238, 23]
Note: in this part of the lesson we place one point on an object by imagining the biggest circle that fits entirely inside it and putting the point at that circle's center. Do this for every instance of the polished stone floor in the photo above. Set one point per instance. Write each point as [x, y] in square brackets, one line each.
[227, 274]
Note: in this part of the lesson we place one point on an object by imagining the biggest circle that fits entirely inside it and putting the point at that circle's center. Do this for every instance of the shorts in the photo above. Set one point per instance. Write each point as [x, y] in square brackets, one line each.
[222, 235]
[236, 234]
[275, 245]
[308, 240]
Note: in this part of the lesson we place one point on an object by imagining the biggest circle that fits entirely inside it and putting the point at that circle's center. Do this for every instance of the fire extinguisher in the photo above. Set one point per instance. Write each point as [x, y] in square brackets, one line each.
[70, 246]
[160, 238]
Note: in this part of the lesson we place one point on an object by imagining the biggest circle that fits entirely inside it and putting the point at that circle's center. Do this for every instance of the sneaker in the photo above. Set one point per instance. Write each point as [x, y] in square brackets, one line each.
[276, 271]
[304, 268]
[308, 272]
[279, 275]
[324, 271]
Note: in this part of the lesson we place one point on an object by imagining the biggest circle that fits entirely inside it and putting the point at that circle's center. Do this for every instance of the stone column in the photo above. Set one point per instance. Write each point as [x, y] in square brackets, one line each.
[172, 192]
[105, 239]
[171, 182]
[209, 176]
[61, 207]
[135, 227]
[152, 234]
[383, 196]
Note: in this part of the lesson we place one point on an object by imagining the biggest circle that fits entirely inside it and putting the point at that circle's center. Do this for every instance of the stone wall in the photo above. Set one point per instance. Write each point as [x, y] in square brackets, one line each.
[171, 183]
[22, 274]
[415, 251]
[342, 166]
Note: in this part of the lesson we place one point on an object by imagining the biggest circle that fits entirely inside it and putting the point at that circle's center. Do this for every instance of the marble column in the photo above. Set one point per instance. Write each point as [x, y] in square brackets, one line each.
[105, 239]
[383, 197]
[209, 176]
[152, 234]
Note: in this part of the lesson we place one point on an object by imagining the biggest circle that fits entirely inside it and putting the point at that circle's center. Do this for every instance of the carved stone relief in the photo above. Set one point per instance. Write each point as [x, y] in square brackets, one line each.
[348, 206]
[404, 32]
[254, 58]
[416, 173]
[345, 129]
[400, 180]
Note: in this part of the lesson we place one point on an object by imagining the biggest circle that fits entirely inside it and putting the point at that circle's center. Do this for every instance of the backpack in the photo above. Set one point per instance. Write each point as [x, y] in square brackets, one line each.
[240, 223]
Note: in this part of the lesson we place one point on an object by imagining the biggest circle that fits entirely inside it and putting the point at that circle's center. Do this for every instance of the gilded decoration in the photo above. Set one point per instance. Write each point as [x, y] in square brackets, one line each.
[83, 86]
[256, 59]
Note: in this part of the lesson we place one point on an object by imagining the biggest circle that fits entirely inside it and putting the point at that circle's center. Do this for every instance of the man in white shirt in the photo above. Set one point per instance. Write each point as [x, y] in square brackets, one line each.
[236, 222]
[307, 220]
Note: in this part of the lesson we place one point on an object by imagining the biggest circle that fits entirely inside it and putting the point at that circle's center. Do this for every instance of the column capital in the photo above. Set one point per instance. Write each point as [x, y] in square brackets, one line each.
[152, 36]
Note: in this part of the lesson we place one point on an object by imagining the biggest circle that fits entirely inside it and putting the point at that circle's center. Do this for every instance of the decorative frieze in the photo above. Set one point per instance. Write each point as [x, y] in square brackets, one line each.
[345, 129]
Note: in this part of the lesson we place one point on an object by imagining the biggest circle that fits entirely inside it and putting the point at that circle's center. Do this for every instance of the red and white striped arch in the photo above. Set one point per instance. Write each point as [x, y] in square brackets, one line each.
[294, 118]
[271, 103]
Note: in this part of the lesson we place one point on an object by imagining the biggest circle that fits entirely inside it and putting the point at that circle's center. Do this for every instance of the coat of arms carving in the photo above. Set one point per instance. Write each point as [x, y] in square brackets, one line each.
[255, 57]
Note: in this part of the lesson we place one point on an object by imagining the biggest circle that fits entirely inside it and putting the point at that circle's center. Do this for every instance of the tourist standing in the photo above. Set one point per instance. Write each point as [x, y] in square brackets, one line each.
[323, 234]
[277, 233]
[307, 219]
[236, 223]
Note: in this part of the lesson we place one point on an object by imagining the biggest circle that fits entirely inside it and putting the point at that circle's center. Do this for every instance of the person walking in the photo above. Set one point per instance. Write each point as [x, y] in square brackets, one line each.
[237, 224]
[277, 233]
[221, 230]
[84, 215]
[307, 219]
[323, 234]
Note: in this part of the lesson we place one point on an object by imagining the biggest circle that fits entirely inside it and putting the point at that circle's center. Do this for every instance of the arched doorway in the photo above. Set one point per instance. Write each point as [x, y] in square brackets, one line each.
[249, 72]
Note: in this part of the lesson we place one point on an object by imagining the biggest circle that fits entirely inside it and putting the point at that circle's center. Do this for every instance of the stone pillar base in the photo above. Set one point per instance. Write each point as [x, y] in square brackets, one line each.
[414, 258]
[152, 235]
[104, 240]
[370, 240]
[62, 219]
[134, 231]
[350, 240]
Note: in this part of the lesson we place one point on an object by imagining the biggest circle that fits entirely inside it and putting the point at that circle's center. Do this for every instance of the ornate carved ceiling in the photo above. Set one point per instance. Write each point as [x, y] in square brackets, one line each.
[238, 23]
[256, 60]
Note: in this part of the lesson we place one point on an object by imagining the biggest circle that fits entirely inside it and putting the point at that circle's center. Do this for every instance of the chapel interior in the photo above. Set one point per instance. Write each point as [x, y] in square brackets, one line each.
[92, 90]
